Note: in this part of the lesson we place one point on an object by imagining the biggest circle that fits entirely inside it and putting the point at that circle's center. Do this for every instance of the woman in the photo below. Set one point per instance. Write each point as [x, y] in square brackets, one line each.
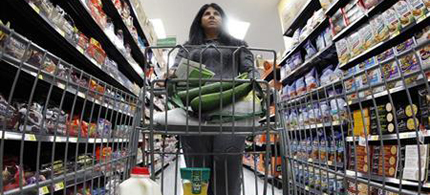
[209, 27]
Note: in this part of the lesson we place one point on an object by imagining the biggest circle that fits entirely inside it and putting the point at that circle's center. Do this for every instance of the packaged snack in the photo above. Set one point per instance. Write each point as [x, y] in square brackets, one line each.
[317, 18]
[350, 84]
[355, 44]
[338, 109]
[353, 11]
[367, 37]
[296, 36]
[427, 3]
[343, 51]
[292, 90]
[408, 44]
[385, 55]
[15, 48]
[104, 128]
[374, 76]
[338, 22]
[310, 50]
[369, 3]
[310, 80]
[423, 35]
[404, 13]
[300, 86]
[392, 21]
[337, 75]
[96, 52]
[325, 76]
[424, 55]
[320, 42]
[419, 9]
[296, 60]
[327, 37]
[380, 30]
[307, 29]
[353, 70]
[390, 70]
[325, 4]
[325, 112]
[368, 63]
[408, 63]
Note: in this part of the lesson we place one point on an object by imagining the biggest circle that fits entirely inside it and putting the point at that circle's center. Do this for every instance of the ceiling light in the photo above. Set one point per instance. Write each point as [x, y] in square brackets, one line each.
[237, 29]
[159, 28]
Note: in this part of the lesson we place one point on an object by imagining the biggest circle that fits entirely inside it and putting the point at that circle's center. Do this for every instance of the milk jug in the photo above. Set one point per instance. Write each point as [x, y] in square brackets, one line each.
[139, 183]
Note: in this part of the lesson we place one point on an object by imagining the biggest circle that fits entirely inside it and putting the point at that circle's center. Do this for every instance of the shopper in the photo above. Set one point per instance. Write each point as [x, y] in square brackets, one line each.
[209, 27]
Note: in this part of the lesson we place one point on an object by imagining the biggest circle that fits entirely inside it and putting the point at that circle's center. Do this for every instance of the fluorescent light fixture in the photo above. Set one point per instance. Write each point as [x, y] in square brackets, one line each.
[159, 28]
[237, 29]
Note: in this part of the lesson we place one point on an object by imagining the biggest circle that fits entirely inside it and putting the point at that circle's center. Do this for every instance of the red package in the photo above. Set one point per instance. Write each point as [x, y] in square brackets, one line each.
[117, 4]
[103, 153]
[83, 41]
[11, 177]
[96, 52]
[96, 8]
[73, 127]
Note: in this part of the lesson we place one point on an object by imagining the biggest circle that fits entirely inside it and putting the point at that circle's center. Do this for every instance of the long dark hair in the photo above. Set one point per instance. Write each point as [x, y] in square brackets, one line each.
[197, 35]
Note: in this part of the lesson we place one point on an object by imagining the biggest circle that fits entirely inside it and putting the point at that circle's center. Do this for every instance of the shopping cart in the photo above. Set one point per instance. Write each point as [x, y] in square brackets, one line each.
[165, 122]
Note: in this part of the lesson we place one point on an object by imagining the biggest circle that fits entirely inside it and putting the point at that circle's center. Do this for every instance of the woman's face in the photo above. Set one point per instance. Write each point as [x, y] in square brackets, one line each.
[211, 19]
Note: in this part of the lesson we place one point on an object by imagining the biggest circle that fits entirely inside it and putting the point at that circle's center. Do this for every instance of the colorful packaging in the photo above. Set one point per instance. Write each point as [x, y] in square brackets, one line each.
[424, 55]
[355, 44]
[353, 11]
[296, 60]
[325, 4]
[374, 77]
[368, 63]
[327, 37]
[338, 22]
[326, 75]
[292, 90]
[408, 44]
[408, 63]
[423, 35]
[300, 86]
[367, 37]
[419, 9]
[369, 3]
[310, 50]
[390, 70]
[343, 51]
[379, 28]
[311, 81]
[385, 55]
[392, 21]
[404, 13]
[320, 42]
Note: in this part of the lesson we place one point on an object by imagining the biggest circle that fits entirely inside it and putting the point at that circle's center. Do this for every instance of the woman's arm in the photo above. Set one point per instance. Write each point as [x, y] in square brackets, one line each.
[246, 62]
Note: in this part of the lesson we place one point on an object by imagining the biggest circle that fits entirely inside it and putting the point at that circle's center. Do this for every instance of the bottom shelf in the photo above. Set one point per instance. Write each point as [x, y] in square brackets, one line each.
[274, 180]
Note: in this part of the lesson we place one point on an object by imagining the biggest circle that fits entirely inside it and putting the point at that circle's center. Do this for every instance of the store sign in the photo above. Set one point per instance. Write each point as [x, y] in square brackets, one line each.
[169, 41]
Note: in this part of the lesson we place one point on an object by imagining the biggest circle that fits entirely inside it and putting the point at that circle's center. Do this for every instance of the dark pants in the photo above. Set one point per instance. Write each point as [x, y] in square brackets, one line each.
[226, 168]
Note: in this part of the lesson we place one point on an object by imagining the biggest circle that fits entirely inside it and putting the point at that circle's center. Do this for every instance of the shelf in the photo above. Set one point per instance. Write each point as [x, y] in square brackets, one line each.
[305, 66]
[10, 135]
[387, 179]
[301, 18]
[379, 8]
[315, 32]
[63, 84]
[387, 44]
[111, 10]
[405, 135]
[132, 71]
[334, 7]
[58, 36]
[315, 126]
[317, 90]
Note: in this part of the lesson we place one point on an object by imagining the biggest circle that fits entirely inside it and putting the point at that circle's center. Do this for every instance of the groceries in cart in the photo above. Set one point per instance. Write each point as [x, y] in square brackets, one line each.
[139, 183]
[195, 181]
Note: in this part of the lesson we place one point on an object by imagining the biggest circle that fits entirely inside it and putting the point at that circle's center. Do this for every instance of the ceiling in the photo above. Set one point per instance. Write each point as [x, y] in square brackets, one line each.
[264, 31]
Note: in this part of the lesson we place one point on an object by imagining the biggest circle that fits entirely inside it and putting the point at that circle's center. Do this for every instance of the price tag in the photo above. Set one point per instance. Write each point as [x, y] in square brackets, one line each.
[330, 162]
[43, 190]
[62, 33]
[307, 188]
[35, 8]
[361, 141]
[403, 135]
[61, 86]
[30, 137]
[80, 49]
[40, 77]
[59, 186]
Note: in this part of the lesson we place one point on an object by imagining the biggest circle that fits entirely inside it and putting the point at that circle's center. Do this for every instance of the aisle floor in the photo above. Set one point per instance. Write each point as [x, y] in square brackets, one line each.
[169, 181]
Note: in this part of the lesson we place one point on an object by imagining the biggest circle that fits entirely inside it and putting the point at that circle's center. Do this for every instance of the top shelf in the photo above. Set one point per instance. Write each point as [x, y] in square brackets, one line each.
[301, 18]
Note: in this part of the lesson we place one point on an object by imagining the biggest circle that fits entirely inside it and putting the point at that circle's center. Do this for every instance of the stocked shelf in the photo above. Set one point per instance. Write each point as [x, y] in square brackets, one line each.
[9, 135]
[131, 69]
[58, 36]
[316, 126]
[400, 136]
[305, 66]
[389, 43]
[318, 29]
[303, 14]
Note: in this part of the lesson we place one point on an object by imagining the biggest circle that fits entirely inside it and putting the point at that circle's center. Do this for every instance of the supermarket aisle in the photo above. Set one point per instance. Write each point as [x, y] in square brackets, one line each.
[169, 181]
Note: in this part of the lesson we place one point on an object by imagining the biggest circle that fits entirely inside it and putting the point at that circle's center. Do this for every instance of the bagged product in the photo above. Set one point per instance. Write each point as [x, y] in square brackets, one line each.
[337, 74]
[296, 60]
[343, 51]
[317, 18]
[310, 50]
[292, 90]
[338, 22]
[327, 37]
[300, 86]
[326, 75]
[325, 112]
[367, 37]
[310, 80]
[404, 13]
[355, 44]
[296, 36]
[379, 28]
[392, 21]
[419, 9]
[320, 42]
[338, 109]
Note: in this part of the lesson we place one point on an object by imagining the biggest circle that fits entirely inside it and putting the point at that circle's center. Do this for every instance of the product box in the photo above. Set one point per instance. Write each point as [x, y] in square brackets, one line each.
[389, 159]
[412, 168]
[361, 126]
[404, 13]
